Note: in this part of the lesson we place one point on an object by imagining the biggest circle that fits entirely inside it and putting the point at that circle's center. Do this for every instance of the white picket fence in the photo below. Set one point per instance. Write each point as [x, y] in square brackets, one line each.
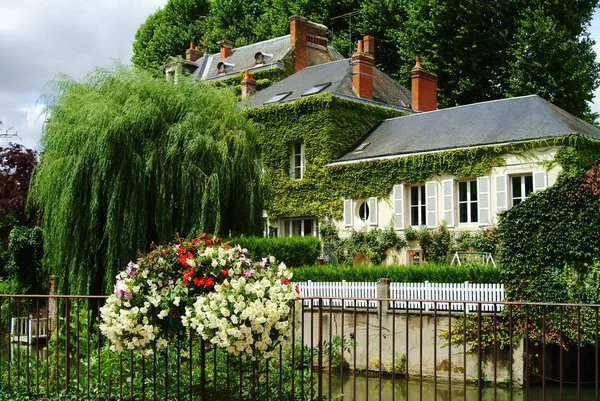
[28, 329]
[458, 295]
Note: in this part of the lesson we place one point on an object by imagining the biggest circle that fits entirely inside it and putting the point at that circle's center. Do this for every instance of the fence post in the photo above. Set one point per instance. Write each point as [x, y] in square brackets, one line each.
[383, 292]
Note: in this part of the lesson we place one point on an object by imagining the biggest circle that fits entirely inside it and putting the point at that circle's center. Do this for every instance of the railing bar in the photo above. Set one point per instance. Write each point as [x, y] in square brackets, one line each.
[121, 376]
[579, 353]
[380, 313]
[342, 351]
[596, 353]
[97, 350]
[367, 355]
[77, 350]
[421, 350]
[544, 353]
[479, 356]
[449, 352]
[37, 350]
[19, 335]
[331, 346]
[526, 358]
[293, 348]
[215, 372]
[561, 390]
[354, 351]
[406, 375]
[465, 352]
[435, 307]
[190, 364]
[394, 355]
[89, 326]
[320, 351]
[495, 354]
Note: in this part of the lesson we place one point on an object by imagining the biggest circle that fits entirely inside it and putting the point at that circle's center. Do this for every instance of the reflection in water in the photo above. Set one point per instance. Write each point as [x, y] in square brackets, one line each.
[360, 390]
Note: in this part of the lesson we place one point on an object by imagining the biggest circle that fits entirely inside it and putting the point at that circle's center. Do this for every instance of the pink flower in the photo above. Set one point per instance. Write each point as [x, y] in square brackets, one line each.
[248, 273]
[244, 250]
[159, 283]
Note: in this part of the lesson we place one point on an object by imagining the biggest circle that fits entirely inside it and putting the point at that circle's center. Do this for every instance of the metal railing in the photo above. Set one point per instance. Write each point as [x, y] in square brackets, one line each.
[526, 351]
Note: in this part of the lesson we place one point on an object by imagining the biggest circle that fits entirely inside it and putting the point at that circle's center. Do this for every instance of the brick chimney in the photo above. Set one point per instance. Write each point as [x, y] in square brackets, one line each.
[362, 68]
[423, 87]
[225, 46]
[248, 85]
[192, 54]
[305, 36]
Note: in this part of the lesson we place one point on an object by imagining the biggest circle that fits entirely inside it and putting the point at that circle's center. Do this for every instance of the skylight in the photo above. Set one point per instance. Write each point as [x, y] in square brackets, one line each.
[316, 89]
[278, 98]
[362, 147]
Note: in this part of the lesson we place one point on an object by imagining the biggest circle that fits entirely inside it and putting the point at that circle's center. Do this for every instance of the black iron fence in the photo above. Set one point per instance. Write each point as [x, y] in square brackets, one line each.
[51, 347]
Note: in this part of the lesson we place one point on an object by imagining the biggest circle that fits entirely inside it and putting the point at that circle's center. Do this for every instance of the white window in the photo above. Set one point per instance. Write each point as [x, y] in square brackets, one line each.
[398, 207]
[520, 186]
[299, 227]
[467, 202]
[417, 205]
[297, 161]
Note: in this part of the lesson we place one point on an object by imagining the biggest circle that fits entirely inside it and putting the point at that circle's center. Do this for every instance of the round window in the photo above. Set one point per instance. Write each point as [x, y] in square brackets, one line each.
[363, 211]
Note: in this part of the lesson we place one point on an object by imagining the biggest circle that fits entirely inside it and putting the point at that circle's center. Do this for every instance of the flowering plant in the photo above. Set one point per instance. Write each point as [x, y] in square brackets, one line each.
[214, 289]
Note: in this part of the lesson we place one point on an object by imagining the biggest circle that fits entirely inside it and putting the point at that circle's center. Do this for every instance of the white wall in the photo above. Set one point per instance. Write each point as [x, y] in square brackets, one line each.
[438, 186]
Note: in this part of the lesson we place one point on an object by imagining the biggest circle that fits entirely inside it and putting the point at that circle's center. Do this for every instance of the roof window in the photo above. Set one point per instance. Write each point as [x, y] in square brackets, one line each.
[362, 147]
[316, 89]
[278, 97]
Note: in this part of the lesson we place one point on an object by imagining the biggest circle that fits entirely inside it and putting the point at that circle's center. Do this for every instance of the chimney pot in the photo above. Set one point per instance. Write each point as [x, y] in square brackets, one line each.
[369, 45]
[225, 47]
[192, 54]
[248, 85]
[362, 69]
[423, 87]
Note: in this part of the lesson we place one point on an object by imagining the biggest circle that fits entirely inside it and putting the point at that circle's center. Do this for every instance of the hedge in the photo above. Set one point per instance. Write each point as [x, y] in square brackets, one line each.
[431, 272]
[293, 251]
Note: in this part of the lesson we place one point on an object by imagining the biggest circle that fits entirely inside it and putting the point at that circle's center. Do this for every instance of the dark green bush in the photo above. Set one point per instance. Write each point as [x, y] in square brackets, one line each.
[293, 251]
[25, 250]
[431, 272]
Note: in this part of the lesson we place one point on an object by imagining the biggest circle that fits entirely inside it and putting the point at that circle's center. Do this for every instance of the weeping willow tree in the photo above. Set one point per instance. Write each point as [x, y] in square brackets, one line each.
[129, 160]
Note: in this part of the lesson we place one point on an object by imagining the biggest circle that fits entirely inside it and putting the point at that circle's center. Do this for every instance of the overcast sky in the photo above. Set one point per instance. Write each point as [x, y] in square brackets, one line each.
[42, 38]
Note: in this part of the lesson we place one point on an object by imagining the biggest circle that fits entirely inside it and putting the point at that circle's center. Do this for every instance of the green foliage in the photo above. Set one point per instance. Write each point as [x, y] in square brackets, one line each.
[9, 286]
[326, 124]
[130, 160]
[264, 78]
[434, 273]
[168, 32]
[435, 243]
[25, 251]
[372, 243]
[293, 251]
[484, 240]
[550, 243]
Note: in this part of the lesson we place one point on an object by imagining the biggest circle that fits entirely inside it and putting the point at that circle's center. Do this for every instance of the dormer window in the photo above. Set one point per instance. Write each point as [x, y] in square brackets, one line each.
[221, 68]
[259, 59]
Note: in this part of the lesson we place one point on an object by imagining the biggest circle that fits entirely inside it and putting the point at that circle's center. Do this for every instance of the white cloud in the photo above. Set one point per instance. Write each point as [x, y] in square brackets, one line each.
[40, 39]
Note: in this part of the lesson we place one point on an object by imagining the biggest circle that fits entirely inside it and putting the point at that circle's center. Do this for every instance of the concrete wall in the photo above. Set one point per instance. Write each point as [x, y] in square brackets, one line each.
[381, 337]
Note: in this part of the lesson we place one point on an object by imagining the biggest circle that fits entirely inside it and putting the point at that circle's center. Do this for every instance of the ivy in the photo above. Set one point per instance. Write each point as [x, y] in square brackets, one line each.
[329, 125]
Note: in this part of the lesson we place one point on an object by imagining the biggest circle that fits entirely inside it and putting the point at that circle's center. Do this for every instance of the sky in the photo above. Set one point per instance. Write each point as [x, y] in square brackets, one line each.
[40, 39]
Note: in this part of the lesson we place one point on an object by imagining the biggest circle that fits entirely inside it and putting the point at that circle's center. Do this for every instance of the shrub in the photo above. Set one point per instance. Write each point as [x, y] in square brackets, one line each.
[294, 251]
[25, 250]
[431, 272]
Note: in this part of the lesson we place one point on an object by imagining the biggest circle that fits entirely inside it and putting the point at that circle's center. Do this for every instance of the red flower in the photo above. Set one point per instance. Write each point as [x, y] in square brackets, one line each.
[183, 260]
[190, 255]
[203, 235]
[181, 249]
[297, 289]
[164, 252]
[224, 271]
[209, 242]
[197, 281]
[209, 282]
[195, 240]
[285, 281]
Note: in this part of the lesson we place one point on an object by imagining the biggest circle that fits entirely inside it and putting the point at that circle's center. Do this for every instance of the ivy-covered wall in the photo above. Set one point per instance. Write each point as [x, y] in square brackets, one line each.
[328, 126]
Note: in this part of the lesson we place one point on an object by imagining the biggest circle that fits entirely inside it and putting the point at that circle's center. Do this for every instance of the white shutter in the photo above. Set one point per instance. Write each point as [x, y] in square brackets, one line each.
[540, 181]
[373, 211]
[348, 212]
[431, 204]
[483, 200]
[501, 193]
[399, 207]
[448, 196]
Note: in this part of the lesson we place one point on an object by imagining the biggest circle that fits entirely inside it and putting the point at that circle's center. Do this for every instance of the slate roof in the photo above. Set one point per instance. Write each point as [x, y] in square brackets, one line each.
[242, 58]
[494, 122]
[336, 77]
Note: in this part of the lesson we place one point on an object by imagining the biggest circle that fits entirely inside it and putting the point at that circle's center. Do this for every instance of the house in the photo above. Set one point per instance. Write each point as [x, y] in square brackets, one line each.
[342, 142]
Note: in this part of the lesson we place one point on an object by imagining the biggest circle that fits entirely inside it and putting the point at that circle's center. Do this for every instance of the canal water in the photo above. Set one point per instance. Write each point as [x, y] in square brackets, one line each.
[360, 389]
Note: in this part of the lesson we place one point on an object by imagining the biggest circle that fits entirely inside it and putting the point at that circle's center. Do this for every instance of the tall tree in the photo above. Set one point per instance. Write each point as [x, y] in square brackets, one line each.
[168, 32]
[130, 160]
[16, 167]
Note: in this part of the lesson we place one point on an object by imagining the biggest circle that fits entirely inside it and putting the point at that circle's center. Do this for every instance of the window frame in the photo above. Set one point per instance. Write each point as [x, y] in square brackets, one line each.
[294, 167]
[421, 205]
[523, 188]
[471, 214]
[288, 231]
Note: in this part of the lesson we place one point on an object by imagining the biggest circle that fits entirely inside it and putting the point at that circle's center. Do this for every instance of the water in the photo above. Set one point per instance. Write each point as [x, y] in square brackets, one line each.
[357, 389]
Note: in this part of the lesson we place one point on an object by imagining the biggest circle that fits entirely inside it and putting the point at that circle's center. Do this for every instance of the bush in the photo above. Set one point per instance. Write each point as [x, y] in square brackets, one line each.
[431, 272]
[25, 250]
[293, 251]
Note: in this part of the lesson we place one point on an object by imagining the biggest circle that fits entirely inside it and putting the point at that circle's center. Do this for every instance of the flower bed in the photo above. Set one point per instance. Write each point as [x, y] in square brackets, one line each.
[240, 305]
